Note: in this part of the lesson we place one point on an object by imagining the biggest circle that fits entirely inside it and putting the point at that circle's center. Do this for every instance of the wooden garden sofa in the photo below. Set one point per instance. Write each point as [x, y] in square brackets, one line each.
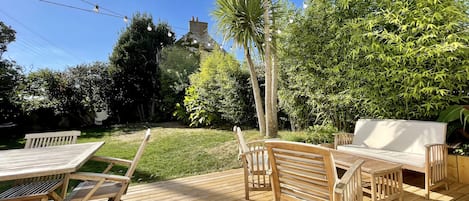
[417, 145]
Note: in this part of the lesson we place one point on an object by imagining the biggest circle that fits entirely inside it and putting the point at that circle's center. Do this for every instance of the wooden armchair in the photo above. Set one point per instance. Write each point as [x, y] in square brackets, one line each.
[255, 163]
[307, 172]
[44, 187]
[103, 185]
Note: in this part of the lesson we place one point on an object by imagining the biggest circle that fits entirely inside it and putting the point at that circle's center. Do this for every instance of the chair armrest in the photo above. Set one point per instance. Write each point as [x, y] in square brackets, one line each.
[98, 177]
[350, 184]
[435, 153]
[256, 160]
[256, 144]
[433, 145]
[117, 161]
[342, 138]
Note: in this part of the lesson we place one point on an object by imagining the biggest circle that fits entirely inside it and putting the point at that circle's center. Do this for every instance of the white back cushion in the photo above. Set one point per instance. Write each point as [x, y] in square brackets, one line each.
[398, 135]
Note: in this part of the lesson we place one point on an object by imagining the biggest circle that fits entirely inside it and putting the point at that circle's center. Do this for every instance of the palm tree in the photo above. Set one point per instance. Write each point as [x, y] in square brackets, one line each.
[268, 71]
[242, 21]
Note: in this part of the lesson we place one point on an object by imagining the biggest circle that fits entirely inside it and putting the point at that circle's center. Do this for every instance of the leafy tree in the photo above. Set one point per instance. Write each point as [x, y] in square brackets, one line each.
[72, 97]
[176, 65]
[135, 75]
[10, 78]
[219, 93]
[242, 21]
[90, 84]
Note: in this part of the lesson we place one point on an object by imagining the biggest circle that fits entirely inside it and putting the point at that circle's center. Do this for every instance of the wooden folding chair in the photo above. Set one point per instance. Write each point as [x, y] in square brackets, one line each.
[103, 185]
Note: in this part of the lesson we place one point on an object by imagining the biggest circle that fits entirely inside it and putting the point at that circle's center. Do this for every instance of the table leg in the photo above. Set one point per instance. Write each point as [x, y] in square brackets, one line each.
[386, 184]
[65, 185]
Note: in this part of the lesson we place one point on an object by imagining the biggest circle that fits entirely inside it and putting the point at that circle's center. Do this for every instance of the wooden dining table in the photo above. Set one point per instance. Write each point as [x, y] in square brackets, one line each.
[27, 163]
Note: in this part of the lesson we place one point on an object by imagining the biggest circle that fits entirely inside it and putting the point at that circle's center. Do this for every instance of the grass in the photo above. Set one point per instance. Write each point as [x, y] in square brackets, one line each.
[172, 152]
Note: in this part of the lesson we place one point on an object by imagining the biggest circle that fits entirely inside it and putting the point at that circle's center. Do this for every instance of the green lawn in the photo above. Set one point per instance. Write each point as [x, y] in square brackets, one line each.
[173, 151]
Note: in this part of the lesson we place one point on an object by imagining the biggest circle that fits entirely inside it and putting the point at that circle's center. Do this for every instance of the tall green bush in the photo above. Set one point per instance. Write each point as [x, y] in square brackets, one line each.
[177, 63]
[220, 93]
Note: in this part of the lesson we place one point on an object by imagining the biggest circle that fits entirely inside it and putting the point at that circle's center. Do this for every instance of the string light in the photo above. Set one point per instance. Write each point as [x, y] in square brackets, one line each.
[279, 31]
[170, 34]
[96, 9]
[290, 20]
[195, 41]
[149, 27]
[126, 19]
[305, 5]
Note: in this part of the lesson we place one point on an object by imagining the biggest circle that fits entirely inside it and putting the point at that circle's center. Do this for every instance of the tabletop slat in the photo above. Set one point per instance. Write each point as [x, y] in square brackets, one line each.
[345, 160]
[25, 163]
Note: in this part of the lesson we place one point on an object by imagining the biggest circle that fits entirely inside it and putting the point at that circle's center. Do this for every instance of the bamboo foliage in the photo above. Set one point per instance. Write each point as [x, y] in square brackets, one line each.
[391, 59]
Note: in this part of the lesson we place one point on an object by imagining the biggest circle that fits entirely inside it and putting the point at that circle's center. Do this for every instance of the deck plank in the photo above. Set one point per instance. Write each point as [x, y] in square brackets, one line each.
[228, 185]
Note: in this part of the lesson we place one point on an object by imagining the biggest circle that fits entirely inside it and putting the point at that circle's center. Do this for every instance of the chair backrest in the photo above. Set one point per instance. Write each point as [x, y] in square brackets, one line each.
[241, 141]
[409, 136]
[301, 171]
[38, 140]
[139, 154]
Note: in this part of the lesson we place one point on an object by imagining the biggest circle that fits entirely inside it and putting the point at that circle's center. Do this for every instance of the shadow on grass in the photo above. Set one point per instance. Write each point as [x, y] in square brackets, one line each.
[124, 129]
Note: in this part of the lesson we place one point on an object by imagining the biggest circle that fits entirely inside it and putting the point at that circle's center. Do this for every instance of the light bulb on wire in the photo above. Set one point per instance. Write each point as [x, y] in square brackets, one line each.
[149, 27]
[126, 19]
[96, 8]
[170, 34]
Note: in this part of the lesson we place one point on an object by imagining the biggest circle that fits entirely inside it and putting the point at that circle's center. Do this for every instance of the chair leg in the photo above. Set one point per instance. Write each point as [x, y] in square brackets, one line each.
[246, 185]
[427, 185]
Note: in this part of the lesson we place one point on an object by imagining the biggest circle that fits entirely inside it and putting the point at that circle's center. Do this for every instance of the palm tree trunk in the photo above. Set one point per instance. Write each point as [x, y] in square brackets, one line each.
[268, 71]
[274, 83]
[256, 91]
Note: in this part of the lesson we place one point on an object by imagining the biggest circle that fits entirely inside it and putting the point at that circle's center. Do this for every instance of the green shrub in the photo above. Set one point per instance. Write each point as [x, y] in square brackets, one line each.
[316, 134]
[219, 94]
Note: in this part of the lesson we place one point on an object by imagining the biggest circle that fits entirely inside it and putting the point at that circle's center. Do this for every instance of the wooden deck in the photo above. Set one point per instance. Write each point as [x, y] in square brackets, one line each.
[228, 185]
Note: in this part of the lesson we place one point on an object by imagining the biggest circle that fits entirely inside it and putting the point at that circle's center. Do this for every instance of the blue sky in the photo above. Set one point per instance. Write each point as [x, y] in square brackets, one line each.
[57, 37]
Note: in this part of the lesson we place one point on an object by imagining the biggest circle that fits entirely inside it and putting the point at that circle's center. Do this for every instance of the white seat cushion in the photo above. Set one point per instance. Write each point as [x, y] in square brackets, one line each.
[417, 160]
